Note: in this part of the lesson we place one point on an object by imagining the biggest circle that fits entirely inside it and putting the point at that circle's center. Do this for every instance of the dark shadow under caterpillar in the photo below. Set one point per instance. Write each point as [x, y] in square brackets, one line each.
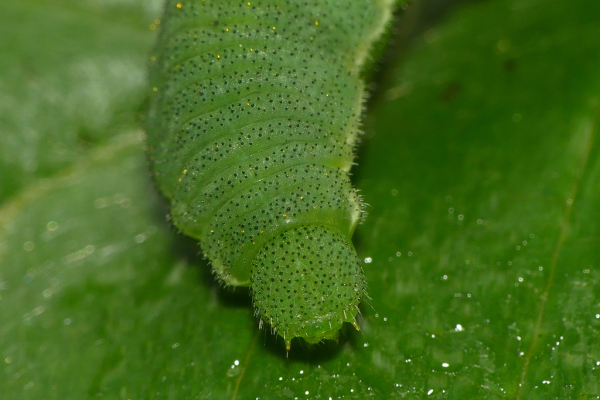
[250, 133]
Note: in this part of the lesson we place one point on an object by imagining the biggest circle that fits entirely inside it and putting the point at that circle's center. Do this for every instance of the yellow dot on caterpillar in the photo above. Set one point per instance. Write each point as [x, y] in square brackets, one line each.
[178, 5]
[218, 56]
[155, 89]
[185, 171]
[288, 345]
[317, 22]
[355, 325]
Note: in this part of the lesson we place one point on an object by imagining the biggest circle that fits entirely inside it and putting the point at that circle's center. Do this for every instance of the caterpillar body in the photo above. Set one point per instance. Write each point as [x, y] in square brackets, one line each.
[250, 131]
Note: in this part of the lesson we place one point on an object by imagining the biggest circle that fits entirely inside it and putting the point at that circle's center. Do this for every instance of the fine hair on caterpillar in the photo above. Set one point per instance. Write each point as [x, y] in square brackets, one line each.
[251, 132]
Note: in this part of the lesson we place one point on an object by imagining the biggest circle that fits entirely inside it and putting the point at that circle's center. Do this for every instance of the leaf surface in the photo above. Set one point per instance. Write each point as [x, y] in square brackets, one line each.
[480, 164]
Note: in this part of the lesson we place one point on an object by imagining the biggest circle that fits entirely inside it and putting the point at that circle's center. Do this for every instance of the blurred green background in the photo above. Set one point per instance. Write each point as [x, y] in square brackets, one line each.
[480, 164]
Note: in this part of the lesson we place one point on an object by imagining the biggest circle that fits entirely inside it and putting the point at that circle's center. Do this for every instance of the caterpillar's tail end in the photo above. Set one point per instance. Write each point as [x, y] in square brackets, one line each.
[307, 282]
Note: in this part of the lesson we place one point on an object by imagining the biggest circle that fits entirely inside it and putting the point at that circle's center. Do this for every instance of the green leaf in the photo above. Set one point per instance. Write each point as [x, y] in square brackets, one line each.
[482, 246]
[71, 77]
[485, 237]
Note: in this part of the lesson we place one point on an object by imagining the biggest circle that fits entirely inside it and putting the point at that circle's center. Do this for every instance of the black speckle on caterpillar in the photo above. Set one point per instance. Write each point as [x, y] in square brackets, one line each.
[250, 132]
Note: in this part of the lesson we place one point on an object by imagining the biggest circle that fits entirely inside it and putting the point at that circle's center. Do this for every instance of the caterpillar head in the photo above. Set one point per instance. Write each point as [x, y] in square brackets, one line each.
[307, 282]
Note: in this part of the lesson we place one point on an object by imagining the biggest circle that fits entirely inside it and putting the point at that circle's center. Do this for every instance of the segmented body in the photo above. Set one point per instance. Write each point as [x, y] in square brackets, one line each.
[251, 131]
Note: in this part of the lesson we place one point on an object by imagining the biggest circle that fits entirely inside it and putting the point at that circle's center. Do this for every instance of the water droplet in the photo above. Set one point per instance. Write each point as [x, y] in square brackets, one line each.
[503, 45]
[101, 202]
[140, 238]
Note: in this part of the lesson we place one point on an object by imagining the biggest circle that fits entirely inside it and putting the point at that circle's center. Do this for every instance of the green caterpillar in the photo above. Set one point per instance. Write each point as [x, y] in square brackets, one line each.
[250, 133]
